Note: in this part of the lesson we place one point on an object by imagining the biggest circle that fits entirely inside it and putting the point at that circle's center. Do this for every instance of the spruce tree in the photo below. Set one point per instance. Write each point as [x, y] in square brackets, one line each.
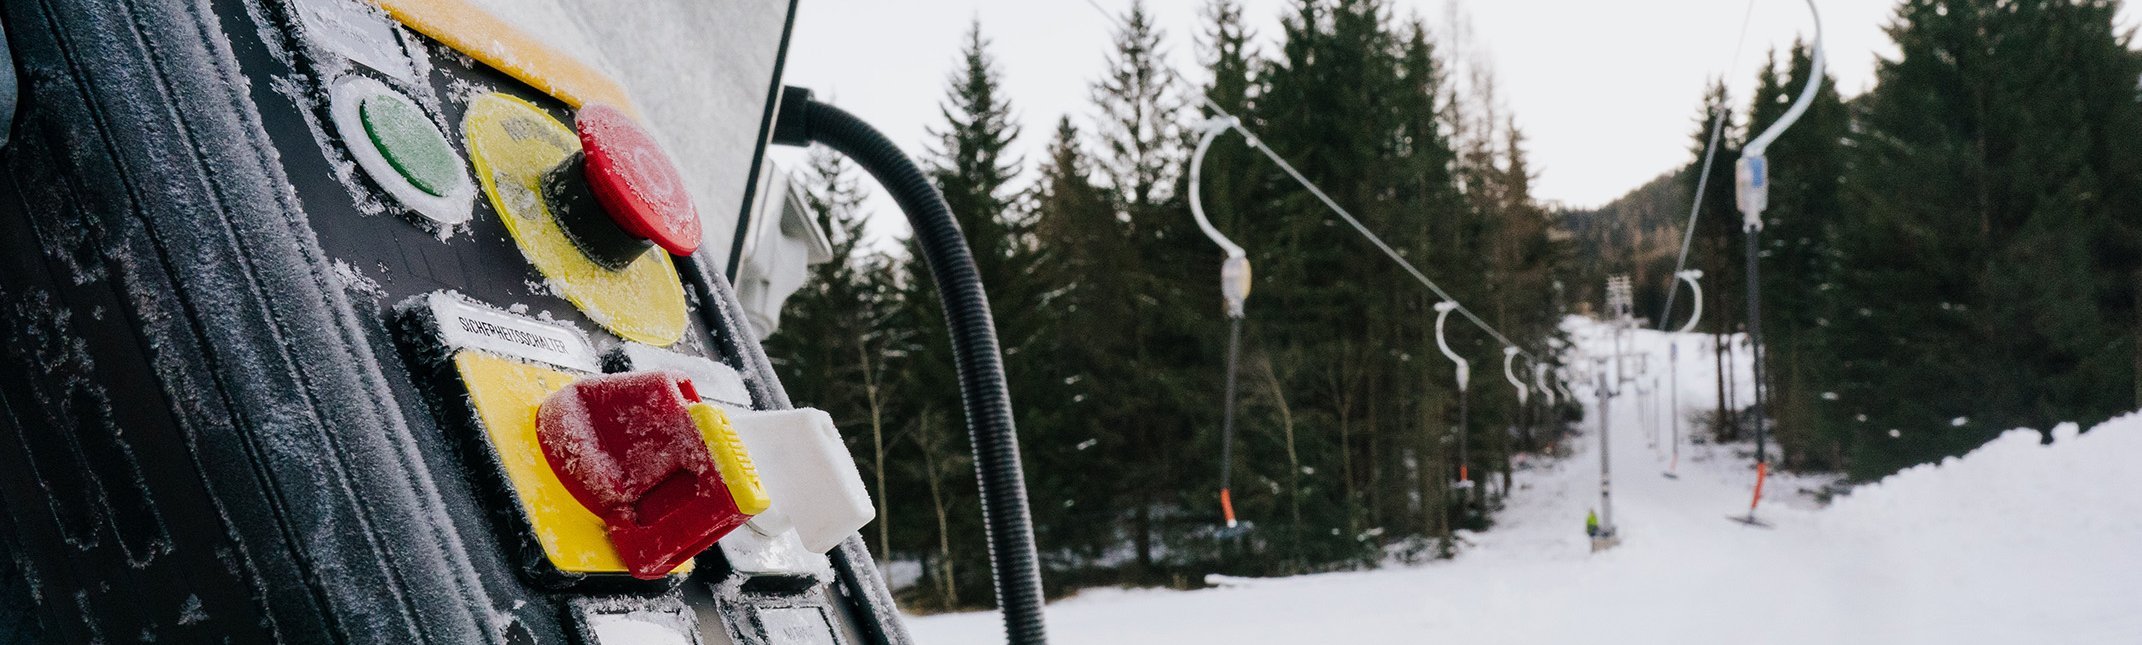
[1159, 386]
[970, 164]
[1798, 257]
[1076, 420]
[1991, 262]
[1428, 185]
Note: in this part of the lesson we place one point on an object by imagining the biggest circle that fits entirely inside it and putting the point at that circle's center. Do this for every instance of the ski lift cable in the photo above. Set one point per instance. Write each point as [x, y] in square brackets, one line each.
[1258, 143]
[1703, 181]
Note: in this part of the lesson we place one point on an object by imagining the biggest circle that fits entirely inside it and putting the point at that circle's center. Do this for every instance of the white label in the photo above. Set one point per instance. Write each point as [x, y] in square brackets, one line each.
[796, 626]
[466, 325]
[636, 629]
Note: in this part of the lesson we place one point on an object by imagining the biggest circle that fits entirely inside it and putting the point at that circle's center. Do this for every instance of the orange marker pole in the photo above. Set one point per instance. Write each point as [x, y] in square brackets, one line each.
[1227, 507]
[1762, 471]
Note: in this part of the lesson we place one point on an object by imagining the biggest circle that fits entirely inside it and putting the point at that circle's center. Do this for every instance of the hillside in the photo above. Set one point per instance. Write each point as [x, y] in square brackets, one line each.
[1638, 234]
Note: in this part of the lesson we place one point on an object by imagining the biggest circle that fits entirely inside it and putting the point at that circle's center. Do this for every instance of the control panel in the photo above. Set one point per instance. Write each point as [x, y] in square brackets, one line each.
[488, 383]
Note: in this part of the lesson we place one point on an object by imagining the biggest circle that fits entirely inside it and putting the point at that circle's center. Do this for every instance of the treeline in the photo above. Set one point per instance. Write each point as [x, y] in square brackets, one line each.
[1638, 235]
[1106, 296]
[1949, 255]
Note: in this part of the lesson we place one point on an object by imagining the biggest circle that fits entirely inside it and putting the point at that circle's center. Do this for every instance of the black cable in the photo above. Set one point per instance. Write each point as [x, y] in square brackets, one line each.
[1014, 567]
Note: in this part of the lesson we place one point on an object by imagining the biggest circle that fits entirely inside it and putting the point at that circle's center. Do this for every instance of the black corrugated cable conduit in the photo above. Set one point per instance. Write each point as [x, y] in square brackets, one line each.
[1014, 567]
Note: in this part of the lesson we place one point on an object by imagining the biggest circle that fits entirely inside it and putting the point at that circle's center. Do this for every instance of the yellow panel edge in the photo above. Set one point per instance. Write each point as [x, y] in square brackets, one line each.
[475, 31]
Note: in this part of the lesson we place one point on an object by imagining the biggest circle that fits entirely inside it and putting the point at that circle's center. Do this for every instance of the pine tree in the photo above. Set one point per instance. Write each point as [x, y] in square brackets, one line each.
[1137, 126]
[1991, 259]
[1528, 252]
[1428, 186]
[970, 165]
[1798, 257]
[1074, 221]
[970, 162]
[1160, 383]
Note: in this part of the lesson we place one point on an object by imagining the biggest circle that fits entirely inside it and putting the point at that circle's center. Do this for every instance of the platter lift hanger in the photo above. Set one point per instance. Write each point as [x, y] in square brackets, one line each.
[1752, 194]
[1234, 290]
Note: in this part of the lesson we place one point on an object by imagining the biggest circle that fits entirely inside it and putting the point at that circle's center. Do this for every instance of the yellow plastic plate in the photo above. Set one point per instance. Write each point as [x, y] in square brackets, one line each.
[471, 30]
[506, 394]
[513, 143]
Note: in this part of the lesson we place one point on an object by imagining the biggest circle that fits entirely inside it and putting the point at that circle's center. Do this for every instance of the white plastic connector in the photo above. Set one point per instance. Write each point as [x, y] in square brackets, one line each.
[813, 481]
[716, 382]
[1235, 284]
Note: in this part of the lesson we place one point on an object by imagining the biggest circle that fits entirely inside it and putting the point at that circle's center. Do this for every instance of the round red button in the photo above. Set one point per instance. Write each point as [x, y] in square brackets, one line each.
[635, 182]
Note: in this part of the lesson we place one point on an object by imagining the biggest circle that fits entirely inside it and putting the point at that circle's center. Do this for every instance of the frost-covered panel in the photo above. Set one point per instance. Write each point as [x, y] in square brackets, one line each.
[701, 72]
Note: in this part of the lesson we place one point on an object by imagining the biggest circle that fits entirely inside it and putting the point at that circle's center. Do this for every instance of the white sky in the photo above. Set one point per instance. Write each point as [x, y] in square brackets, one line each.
[1605, 90]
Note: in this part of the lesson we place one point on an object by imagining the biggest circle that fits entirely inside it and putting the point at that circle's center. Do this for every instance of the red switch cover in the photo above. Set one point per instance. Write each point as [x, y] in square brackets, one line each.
[627, 448]
[635, 181]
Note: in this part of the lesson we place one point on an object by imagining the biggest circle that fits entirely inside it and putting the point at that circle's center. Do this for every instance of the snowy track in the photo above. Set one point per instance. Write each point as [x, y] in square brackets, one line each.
[2015, 543]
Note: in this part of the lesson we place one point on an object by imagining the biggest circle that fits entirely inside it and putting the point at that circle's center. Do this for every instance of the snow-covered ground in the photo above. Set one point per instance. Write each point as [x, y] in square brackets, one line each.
[2014, 543]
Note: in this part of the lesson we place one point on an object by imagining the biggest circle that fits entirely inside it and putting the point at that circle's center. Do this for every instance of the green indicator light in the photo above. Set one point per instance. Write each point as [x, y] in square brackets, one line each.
[411, 143]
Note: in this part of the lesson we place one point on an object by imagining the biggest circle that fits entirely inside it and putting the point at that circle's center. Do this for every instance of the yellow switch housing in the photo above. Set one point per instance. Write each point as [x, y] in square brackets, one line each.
[505, 394]
[737, 471]
[514, 144]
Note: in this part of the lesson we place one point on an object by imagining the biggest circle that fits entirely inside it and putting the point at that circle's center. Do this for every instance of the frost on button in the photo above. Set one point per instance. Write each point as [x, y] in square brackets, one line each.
[615, 438]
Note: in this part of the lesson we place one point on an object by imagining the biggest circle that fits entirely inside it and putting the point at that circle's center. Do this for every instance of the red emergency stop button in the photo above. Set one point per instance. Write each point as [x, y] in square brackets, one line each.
[667, 478]
[636, 182]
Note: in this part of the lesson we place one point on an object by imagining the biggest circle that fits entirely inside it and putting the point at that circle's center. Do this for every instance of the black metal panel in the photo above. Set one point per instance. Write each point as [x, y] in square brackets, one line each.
[207, 430]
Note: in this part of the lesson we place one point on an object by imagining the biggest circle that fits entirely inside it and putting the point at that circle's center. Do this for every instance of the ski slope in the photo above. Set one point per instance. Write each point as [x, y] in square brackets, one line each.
[2014, 543]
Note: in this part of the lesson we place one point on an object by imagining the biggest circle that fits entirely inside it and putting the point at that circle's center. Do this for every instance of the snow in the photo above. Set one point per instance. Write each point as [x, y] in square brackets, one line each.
[672, 47]
[2016, 542]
